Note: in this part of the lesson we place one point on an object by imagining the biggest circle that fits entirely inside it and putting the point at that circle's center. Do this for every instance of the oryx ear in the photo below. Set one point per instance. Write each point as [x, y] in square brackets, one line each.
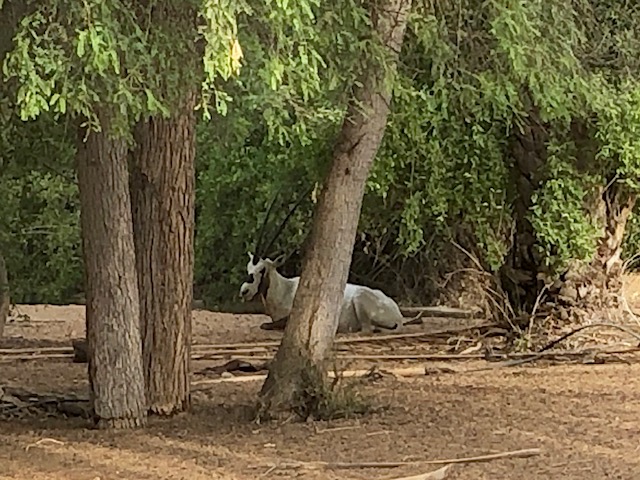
[279, 261]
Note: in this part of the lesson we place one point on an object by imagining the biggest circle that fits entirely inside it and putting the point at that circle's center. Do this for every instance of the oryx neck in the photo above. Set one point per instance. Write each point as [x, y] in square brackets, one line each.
[265, 282]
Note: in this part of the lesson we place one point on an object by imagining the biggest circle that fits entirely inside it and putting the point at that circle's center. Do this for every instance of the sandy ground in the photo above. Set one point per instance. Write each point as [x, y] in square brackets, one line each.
[585, 418]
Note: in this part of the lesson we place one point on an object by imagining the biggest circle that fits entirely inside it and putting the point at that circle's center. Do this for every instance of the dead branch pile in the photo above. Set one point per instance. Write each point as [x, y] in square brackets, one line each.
[393, 346]
[19, 403]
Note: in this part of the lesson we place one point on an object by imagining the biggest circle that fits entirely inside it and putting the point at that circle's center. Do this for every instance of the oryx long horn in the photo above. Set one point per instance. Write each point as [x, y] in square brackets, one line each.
[258, 251]
[286, 219]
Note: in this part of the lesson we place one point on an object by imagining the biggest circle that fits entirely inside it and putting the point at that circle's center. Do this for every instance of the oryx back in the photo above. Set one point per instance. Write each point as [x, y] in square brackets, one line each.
[364, 308]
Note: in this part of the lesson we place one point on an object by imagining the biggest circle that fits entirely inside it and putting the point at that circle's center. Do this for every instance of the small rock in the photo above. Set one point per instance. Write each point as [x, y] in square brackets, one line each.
[227, 375]
[569, 292]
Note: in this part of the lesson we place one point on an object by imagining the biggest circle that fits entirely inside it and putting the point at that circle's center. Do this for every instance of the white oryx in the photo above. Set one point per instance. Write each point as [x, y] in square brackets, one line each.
[363, 308]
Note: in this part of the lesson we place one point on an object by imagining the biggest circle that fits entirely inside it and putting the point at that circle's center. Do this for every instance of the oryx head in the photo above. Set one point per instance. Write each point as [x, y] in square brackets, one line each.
[259, 264]
[257, 281]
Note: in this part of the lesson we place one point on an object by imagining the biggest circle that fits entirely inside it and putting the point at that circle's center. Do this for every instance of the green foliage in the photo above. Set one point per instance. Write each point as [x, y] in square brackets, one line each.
[280, 73]
[39, 218]
[618, 132]
[564, 228]
[70, 56]
[223, 51]
[120, 57]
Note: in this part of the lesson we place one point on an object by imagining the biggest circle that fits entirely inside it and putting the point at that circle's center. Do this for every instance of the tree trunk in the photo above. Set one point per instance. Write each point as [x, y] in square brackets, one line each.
[5, 303]
[162, 192]
[519, 274]
[113, 310]
[297, 375]
[596, 286]
[618, 204]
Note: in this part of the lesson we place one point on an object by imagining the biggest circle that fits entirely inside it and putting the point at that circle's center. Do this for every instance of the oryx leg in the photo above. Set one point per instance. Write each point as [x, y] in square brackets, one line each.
[348, 319]
[362, 316]
[277, 325]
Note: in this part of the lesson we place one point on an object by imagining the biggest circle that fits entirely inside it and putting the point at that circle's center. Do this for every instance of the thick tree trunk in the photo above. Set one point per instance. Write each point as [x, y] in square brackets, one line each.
[519, 274]
[5, 303]
[297, 375]
[162, 192]
[596, 285]
[113, 310]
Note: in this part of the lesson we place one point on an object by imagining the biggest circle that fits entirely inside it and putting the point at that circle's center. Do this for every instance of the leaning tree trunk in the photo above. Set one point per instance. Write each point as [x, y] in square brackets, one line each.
[162, 189]
[5, 303]
[113, 310]
[298, 373]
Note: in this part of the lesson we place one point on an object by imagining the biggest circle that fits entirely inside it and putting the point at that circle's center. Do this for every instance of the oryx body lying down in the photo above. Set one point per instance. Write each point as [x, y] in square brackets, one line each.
[363, 308]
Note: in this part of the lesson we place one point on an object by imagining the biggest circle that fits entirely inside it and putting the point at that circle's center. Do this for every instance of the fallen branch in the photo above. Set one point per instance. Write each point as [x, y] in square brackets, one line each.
[259, 355]
[350, 339]
[438, 312]
[531, 357]
[431, 333]
[227, 351]
[422, 370]
[401, 372]
[15, 351]
[511, 357]
[622, 328]
[525, 453]
[36, 356]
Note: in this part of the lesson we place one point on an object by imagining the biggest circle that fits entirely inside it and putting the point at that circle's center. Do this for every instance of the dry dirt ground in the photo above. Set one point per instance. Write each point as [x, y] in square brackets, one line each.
[585, 418]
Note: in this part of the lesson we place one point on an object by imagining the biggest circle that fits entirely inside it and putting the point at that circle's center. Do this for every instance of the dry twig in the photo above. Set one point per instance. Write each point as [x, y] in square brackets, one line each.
[42, 441]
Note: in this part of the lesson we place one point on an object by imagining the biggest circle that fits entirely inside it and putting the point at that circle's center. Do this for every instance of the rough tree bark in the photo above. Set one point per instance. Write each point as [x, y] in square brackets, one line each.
[162, 191]
[112, 309]
[520, 270]
[595, 286]
[297, 375]
[5, 303]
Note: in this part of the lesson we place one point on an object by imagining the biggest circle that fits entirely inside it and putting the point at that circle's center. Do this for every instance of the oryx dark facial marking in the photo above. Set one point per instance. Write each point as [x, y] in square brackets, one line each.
[263, 287]
[256, 281]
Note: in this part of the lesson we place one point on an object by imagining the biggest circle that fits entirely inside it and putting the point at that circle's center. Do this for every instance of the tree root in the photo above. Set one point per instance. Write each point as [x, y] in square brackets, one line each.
[129, 423]
[303, 390]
